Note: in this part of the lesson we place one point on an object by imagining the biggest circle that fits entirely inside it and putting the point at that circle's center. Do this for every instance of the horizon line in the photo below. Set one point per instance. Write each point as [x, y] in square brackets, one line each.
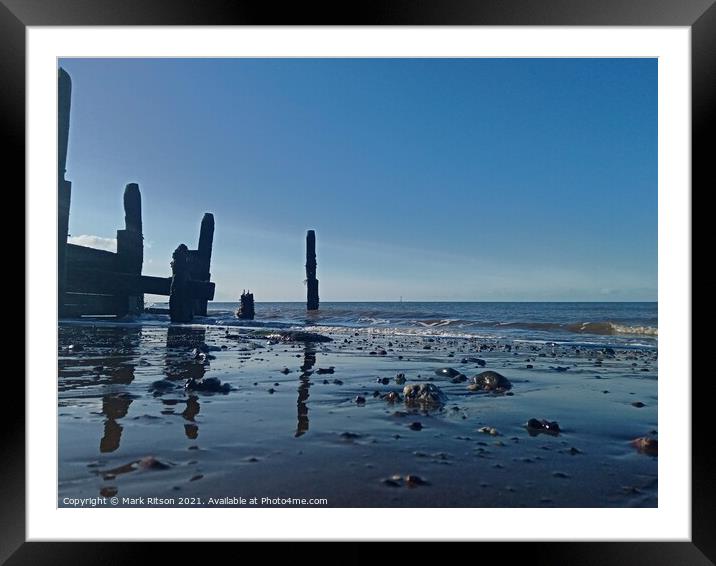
[436, 301]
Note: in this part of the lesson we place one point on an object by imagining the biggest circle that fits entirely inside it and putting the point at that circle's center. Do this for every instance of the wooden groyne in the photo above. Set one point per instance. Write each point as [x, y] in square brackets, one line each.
[94, 282]
[311, 281]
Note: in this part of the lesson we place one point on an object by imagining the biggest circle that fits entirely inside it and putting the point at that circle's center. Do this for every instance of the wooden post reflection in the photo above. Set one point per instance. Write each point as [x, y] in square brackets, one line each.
[116, 405]
[309, 360]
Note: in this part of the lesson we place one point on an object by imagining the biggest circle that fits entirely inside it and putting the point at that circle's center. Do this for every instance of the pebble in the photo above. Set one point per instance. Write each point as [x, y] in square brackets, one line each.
[447, 372]
[490, 381]
[416, 426]
[207, 385]
[543, 425]
[492, 431]
[646, 445]
[151, 463]
[425, 394]
[413, 480]
[391, 397]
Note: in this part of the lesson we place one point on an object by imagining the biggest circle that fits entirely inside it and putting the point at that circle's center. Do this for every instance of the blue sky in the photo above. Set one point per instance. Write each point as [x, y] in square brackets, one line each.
[430, 179]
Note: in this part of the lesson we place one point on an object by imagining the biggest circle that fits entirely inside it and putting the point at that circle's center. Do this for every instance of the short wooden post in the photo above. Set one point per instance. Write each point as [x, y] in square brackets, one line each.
[246, 310]
[202, 269]
[64, 188]
[311, 281]
[181, 305]
[130, 243]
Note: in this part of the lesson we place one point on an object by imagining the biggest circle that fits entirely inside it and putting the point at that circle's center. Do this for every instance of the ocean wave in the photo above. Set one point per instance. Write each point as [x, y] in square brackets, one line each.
[402, 331]
[611, 328]
[373, 320]
[479, 320]
[605, 328]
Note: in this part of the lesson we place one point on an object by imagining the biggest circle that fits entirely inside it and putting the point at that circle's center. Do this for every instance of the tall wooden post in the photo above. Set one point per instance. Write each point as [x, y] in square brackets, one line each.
[202, 269]
[311, 281]
[64, 188]
[130, 243]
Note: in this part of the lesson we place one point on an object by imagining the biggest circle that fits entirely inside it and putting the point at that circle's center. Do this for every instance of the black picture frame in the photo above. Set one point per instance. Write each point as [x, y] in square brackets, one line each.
[698, 15]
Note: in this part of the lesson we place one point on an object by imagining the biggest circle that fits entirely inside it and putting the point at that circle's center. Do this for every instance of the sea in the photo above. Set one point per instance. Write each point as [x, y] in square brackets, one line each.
[620, 324]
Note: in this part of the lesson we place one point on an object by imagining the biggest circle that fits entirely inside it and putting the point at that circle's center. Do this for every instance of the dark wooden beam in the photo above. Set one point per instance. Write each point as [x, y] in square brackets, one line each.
[116, 283]
[90, 258]
[79, 304]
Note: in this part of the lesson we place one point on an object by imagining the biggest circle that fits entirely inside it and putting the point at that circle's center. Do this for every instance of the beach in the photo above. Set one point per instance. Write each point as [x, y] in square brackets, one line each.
[265, 413]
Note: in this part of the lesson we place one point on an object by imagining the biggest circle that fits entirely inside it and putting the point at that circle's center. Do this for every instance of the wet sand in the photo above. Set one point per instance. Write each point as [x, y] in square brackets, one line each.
[129, 429]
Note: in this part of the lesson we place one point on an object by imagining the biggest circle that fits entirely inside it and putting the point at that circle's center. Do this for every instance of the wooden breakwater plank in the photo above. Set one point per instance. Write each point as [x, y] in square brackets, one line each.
[97, 281]
[90, 258]
[85, 304]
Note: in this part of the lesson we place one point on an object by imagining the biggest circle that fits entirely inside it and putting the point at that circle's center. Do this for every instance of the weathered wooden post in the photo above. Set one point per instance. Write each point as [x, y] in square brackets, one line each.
[181, 304]
[130, 244]
[64, 188]
[246, 310]
[311, 281]
[202, 267]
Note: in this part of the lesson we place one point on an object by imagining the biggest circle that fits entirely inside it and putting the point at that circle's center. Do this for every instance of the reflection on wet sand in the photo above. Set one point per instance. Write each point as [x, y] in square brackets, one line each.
[176, 364]
[309, 360]
[104, 358]
[115, 406]
[178, 367]
[191, 429]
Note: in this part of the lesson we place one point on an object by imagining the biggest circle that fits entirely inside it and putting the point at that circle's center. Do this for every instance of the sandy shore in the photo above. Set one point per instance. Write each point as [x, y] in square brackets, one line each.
[129, 429]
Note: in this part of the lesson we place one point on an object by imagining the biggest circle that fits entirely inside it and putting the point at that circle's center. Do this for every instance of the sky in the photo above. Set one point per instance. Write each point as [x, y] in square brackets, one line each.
[426, 179]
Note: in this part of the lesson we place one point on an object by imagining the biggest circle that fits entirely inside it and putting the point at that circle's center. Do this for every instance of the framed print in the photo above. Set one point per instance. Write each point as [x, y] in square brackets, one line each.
[388, 278]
